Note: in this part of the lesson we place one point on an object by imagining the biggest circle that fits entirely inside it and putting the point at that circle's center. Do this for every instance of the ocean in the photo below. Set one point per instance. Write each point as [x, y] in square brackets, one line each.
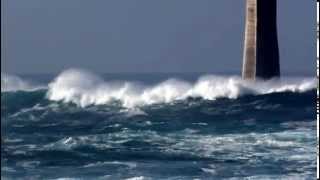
[81, 125]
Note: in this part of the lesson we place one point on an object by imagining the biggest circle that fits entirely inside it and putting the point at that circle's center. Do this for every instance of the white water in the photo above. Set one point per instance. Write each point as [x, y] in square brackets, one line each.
[84, 88]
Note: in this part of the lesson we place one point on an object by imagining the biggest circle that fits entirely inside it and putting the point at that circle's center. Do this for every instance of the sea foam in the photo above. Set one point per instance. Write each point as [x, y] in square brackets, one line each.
[84, 88]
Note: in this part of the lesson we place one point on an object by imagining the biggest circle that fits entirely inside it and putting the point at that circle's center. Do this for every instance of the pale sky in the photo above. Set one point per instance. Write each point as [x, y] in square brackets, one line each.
[45, 36]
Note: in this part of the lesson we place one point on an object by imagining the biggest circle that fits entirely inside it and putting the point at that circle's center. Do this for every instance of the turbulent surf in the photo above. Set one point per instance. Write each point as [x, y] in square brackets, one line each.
[79, 125]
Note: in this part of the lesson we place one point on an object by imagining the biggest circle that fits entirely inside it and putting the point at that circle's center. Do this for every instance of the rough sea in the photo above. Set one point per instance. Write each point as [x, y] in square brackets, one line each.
[81, 125]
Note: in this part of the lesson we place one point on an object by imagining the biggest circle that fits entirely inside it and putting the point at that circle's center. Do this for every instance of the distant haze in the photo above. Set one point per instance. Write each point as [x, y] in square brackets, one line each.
[112, 36]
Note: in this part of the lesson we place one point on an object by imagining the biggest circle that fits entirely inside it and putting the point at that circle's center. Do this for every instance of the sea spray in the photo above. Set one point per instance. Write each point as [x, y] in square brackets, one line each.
[84, 88]
[15, 83]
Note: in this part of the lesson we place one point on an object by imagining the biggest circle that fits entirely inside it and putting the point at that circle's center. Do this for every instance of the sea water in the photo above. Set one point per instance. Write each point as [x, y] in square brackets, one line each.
[80, 125]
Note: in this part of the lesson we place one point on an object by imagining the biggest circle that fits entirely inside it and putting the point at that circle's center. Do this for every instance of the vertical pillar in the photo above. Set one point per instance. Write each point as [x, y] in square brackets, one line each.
[261, 51]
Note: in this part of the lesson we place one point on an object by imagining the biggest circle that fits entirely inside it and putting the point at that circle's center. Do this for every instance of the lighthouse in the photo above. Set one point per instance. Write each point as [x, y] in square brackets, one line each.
[261, 50]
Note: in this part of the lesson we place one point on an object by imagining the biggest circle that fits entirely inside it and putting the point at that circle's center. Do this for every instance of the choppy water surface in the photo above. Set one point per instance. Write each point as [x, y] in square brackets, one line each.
[80, 126]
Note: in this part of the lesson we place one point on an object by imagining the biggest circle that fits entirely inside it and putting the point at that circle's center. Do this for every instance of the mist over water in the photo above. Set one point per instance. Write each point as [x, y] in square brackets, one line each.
[82, 126]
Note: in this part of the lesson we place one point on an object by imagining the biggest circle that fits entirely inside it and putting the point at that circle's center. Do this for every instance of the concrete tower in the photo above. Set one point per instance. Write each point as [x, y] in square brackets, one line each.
[261, 52]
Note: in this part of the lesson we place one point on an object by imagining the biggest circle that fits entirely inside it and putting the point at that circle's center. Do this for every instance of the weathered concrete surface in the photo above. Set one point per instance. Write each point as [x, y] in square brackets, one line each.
[249, 55]
[261, 51]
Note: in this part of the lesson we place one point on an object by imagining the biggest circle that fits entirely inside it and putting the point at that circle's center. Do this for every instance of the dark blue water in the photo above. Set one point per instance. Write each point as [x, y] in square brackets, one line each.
[253, 135]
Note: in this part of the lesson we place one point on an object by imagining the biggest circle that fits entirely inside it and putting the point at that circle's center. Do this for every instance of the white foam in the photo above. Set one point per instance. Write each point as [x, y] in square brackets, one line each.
[99, 163]
[84, 88]
[67, 178]
[137, 178]
[209, 170]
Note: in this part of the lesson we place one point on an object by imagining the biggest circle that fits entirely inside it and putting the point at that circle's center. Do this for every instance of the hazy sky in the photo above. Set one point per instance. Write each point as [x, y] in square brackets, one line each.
[46, 36]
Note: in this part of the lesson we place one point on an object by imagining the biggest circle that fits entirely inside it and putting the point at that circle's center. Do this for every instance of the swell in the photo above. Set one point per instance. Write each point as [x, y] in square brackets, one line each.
[14, 101]
[134, 149]
[34, 106]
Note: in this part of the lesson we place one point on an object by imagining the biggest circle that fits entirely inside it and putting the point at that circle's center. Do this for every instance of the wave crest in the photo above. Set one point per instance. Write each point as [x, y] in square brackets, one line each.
[84, 88]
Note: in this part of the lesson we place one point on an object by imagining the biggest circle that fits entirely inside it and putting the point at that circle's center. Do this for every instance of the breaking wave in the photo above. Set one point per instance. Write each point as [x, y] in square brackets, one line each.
[213, 128]
[84, 88]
